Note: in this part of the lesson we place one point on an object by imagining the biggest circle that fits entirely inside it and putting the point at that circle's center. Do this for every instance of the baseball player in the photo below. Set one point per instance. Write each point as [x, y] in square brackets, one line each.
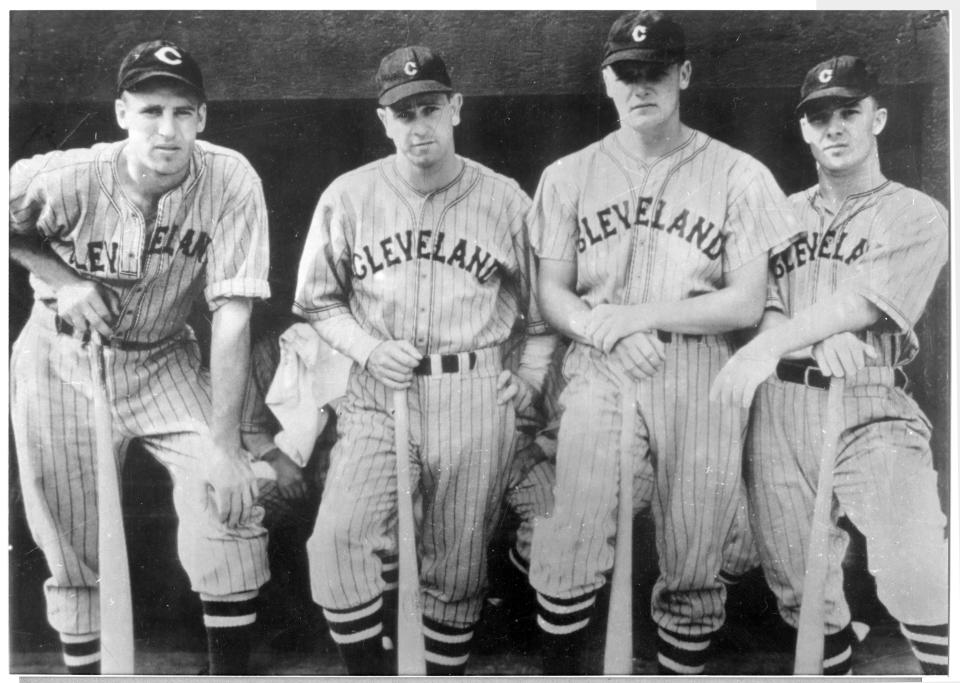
[851, 285]
[120, 240]
[653, 244]
[416, 266]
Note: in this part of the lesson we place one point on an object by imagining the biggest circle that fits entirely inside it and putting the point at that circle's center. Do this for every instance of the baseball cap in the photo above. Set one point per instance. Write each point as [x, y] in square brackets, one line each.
[842, 78]
[410, 71]
[645, 36]
[159, 58]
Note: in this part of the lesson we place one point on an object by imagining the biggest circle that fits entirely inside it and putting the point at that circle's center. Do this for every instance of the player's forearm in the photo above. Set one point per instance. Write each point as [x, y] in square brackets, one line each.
[30, 252]
[843, 312]
[344, 334]
[714, 313]
[535, 359]
[559, 304]
[229, 364]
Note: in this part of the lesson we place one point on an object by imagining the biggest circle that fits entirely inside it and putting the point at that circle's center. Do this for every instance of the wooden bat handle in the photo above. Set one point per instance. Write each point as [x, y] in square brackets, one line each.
[411, 656]
[116, 604]
[810, 629]
[618, 653]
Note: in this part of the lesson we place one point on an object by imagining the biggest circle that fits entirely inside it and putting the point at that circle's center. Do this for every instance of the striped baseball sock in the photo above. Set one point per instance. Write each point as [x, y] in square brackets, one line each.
[358, 633]
[563, 623]
[389, 572]
[81, 653]
[929, 644]
[447, 648]
[838, 652]
[230, 624]
[682, 655]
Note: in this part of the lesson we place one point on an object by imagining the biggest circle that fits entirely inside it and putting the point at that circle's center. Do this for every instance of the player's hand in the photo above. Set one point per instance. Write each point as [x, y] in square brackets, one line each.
[608, 323]
[392, 363]
[512, 387]
[641, 353]
[86, 304]
[234, 486]
[842, 355]
[290, 480]
[738, 380]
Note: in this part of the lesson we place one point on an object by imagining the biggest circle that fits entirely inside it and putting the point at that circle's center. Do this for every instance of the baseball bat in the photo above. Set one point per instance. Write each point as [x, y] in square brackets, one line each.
[411, 656]
[116, 604]
[618, 652]
[810, 629]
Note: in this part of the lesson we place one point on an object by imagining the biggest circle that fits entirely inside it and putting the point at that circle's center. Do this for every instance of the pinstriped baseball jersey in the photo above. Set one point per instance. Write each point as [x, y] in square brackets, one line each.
[887, 244]
[664, 231]
[209, 237]
[210, 233]
[446, 271]
[700, 211]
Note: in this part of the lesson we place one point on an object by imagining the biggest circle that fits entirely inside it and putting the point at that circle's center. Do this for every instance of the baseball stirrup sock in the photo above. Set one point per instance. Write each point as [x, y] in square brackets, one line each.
[358, 633]
[81, 653]
[563, 624]
[230, 625]
[390, 574]
[447, 648]
[929, 644]
[838, 652]
[682, 655]
[520, 564]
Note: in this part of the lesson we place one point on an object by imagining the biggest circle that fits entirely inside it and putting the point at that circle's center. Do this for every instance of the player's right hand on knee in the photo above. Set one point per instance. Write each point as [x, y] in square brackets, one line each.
[392, 363]
[234, 486]
[641, 353]
[87, 304]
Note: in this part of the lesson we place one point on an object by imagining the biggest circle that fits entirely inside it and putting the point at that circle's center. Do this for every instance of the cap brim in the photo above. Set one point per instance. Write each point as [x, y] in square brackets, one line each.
[139, 77]
[641, 55]
[830, 96]
[404, 90]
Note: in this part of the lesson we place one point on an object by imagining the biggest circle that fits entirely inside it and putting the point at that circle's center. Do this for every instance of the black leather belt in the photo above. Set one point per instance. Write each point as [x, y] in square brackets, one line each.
[668, 337]
[63, 327]
[808, 372]
[447, 363]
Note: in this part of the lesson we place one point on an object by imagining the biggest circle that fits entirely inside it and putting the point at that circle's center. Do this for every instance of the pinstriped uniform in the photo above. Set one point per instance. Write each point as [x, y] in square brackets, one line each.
[887, 244]
[210, 238]
[639, 233]
[449, 272]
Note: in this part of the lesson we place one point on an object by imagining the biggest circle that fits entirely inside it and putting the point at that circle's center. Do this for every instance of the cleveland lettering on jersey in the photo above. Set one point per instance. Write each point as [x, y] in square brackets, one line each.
[101, 256]
[809, 247]
[401, 247]
[607, 222]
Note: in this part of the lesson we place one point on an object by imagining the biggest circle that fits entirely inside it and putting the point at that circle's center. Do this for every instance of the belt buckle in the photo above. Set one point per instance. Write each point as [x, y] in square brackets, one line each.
[806, 375]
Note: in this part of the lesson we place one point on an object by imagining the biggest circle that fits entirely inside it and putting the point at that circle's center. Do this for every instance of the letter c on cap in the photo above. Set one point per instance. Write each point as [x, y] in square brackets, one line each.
[410, 68]
[169, 55]
[639, 33]
[825, 75]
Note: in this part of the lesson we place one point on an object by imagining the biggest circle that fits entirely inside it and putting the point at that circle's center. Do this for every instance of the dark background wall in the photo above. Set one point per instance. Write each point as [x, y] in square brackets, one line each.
[293, 92]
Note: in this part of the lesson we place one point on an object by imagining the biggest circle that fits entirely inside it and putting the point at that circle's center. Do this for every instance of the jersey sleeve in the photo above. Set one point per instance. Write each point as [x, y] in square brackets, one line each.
[898, 271]
[552, 220]
[30, 210]
[238, 261]
[759, 218]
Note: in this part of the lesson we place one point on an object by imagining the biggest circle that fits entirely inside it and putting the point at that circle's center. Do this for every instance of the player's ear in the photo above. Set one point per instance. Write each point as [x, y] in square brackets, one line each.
[201, 117]
[609, 78]
[120, 109]
[879, 120]
[805, 129]
[456, 101]
[686, 70]
[382, 115]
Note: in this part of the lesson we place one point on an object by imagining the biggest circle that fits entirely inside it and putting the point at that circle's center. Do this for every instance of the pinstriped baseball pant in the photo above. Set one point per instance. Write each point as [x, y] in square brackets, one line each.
[689, 453]
[884, 482]
[461, 442]
[159, 396]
